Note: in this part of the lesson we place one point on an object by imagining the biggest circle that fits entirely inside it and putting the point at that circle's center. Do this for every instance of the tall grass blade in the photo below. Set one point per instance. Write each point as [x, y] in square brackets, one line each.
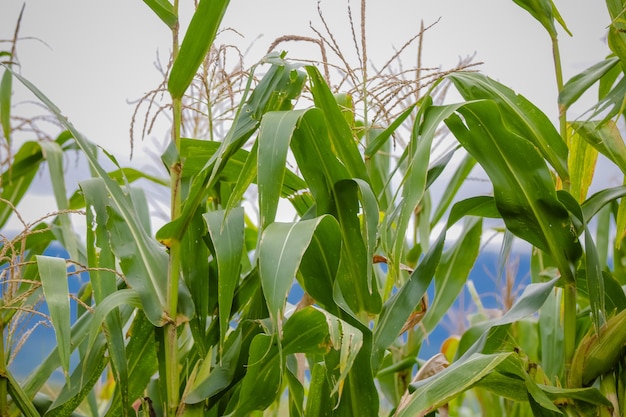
[606, 138]
[53, 274]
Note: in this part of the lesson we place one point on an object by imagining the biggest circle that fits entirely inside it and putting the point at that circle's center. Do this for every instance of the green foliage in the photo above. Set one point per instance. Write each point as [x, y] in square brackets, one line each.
[200, 319]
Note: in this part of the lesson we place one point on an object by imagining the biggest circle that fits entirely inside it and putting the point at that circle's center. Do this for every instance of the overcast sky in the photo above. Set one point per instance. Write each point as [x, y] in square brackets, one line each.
[99, 55]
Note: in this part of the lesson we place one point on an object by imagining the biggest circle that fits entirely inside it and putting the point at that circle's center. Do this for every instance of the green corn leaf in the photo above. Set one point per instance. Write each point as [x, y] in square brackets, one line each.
[17, 180]
[524, 190]
[196, 43]
[102, 278]
[319, 265]
[281, 249]
[53, 274]
[545, 12]
[319, 402]
[262, 382]
[81, 383]
[454, 185]
[6, 90]
[519, 115]
[220, 376]
[582, 163]
[275, 134]
[319, 165]
[340, 131]
[21, 399]
[142, 362]
[452, 272]
[164, 10]
[597, 201]
[382, 137]
[551, 333]
[415, 179]
[197, 152]
[606, 138]
[355, 275]
[432, 393]
[227, 236]
[400, 305]
[578, 84]
[109, 304]
[53, 154]
[616, 37]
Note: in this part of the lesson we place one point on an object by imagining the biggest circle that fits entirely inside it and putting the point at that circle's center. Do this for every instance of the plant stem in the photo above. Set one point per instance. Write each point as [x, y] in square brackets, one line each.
[569, 293]
[171, 340]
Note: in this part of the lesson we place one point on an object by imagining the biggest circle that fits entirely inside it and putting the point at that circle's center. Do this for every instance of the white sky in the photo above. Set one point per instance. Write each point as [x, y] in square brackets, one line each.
[99, 55]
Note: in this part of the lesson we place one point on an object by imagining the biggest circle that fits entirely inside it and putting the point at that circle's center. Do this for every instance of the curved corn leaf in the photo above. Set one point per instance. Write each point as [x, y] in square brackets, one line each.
[415, 179]
[164, 10]
[519, 115]
[606, 138]
[262, 382]
[318, 163]
[196, 43]
[281, 249]
[318, 268]
[227, 236]
[101, 277]
[545, 12]
[105, 307]
[434, 392]
[341, 135]
[220, 376]
[53, 275]
[582, 163]
[524, 190]
[578, 84]
[81, 383]
[24, 403]
[17, 180]
[275, 134]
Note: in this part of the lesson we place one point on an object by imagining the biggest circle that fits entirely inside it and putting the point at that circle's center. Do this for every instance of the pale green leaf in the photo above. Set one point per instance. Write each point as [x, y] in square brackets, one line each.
[606, 138]
[281, 249]
[227, 236]
[6, 90]
[53, 274]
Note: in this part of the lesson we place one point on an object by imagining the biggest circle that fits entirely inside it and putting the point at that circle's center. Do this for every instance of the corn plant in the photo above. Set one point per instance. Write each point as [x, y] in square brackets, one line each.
[221, 313]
